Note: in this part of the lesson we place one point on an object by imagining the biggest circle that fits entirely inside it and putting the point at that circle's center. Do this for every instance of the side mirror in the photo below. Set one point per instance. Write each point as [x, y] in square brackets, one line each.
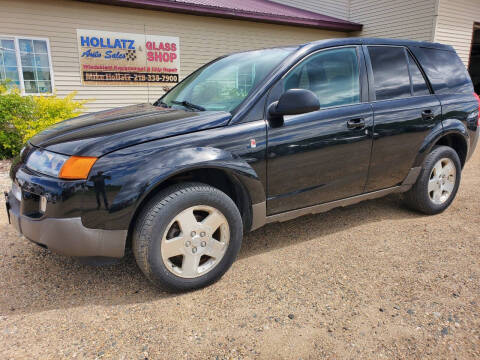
[294, 102]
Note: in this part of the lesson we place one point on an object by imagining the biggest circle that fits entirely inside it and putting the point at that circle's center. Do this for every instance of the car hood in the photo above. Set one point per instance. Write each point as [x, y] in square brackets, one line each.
[99, 133]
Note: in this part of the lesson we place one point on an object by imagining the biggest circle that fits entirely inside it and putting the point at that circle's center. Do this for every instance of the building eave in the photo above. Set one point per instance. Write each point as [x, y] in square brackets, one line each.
[327, 23]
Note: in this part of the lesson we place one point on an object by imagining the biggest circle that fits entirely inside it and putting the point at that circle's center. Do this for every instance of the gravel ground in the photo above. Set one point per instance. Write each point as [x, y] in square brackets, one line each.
[373, 280]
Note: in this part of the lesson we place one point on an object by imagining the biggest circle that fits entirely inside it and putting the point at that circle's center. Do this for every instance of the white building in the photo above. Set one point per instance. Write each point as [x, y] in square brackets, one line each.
[45, 45]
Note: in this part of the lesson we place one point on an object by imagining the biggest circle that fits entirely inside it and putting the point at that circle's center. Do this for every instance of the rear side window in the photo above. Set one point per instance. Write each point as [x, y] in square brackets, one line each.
[390, 72]
[419, 85]
[444, 69]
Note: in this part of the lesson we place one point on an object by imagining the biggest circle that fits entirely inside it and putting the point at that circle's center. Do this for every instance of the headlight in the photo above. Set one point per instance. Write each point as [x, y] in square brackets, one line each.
[46, 162]
[61, 166]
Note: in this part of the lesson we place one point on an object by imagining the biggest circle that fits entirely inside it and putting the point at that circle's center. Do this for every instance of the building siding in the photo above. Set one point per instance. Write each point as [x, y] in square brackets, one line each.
[454, 24]
[406, 19]
[201, 40]
[335, 8]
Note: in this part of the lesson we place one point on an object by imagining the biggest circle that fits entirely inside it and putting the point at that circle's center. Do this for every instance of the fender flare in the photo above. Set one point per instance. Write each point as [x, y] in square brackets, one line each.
[440, 130]
[170, 163]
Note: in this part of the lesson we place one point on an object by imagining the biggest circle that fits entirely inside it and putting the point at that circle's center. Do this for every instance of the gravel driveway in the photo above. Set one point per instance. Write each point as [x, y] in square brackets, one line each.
[373, 280]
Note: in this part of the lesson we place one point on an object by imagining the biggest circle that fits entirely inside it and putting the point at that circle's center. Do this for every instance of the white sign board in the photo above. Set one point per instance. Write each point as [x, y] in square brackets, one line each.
[111, 58]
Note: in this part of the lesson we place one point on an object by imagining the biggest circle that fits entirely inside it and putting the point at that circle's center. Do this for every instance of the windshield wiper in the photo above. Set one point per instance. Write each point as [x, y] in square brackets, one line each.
[160, 103]
[189, 105]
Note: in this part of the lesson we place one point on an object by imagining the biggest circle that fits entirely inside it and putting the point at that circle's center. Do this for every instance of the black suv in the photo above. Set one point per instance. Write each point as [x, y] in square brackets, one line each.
[248, 139]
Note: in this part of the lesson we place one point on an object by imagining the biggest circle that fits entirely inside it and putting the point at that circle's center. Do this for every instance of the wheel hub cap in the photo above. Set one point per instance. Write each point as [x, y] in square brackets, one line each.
[195, 241]
[442, 181]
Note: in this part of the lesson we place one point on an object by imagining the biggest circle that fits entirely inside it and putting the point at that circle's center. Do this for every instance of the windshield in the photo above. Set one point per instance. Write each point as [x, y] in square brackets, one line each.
[225, 83]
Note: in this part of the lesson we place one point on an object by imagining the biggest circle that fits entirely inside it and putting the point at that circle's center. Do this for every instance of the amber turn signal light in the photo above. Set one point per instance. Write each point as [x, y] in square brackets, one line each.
[77, 167]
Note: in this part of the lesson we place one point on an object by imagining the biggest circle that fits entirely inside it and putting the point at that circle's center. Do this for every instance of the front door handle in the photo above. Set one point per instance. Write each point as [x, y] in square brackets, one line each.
[356, 123]
[427, 114]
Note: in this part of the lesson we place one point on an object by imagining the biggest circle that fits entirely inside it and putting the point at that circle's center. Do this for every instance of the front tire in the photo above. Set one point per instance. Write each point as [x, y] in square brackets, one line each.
[187, 236]
[437, 183]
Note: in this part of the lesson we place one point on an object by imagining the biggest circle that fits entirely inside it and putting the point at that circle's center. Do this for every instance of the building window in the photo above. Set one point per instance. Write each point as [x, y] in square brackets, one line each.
[8, 62]
[26, 62]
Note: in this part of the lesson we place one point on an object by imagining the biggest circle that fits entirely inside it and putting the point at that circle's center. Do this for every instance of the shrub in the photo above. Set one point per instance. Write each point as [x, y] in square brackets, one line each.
[21, 117]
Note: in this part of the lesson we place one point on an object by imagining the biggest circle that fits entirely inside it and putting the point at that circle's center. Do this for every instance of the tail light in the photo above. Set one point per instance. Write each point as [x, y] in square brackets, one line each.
[478, 99]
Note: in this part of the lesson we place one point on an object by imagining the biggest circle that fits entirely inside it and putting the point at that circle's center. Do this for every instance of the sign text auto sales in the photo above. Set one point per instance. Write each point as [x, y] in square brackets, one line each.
[108, 58]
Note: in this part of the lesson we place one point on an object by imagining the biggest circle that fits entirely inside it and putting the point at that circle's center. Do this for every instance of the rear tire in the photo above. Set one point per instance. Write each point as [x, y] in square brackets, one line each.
[187, 236]
[437, 183]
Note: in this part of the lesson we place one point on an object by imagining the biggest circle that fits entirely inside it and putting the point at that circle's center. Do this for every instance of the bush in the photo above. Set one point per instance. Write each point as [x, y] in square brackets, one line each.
[21, 117]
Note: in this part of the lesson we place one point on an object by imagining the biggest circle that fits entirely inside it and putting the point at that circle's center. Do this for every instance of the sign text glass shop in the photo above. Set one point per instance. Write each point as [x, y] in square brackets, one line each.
[110, 58]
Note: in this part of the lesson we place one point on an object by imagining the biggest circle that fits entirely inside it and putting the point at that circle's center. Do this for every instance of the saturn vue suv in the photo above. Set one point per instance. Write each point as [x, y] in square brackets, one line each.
[248, 139]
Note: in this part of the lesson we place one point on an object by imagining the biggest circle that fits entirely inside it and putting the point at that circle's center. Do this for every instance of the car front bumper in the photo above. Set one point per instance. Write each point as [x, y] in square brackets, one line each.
[66, 236]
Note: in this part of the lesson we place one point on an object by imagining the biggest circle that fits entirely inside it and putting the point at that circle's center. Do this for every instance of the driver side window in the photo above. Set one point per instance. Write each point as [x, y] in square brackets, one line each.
[333, 75]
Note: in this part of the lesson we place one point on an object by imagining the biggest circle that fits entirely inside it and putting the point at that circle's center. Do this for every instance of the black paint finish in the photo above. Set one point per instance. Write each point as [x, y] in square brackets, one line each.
[315, 157]
[302, 160]
[107, 131]
[132, 173]
[398, 134]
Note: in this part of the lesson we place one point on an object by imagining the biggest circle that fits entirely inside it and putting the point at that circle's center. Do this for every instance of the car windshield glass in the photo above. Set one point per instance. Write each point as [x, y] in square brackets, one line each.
[226, 82]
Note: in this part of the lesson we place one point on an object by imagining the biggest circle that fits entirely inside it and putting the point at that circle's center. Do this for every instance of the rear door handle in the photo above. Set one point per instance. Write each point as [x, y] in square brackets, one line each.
[427, 114]
[356, 123]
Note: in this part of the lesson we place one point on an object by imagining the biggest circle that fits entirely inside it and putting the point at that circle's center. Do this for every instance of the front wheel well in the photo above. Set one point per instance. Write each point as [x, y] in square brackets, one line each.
[457, 143]
[217, 178]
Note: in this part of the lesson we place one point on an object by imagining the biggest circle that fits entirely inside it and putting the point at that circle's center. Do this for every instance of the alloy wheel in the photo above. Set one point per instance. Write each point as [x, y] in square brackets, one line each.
[442, 181]
[195, 241]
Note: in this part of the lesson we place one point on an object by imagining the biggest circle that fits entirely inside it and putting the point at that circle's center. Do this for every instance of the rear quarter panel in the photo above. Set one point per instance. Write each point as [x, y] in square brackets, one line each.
[460, 114]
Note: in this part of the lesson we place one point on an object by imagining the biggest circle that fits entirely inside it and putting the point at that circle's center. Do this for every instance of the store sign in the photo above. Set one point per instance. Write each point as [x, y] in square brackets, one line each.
[110, 58]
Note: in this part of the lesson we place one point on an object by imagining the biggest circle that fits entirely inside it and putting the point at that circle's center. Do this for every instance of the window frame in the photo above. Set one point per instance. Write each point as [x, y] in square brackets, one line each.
[416, 62]
[16, 40]
[371, 79]
[362, 76]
